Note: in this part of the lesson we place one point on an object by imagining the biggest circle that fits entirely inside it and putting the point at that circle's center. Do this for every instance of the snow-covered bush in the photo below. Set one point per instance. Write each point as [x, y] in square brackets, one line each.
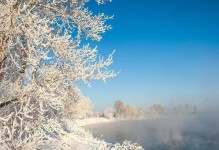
[123, 110]
[126, 145]
[129, 111]
[76, 105]
[109, 113]
[119, 107]
[141, 113]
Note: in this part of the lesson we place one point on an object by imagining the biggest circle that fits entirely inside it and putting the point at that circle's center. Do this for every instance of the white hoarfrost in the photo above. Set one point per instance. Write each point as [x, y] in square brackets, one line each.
[77, 106]
[43, 54]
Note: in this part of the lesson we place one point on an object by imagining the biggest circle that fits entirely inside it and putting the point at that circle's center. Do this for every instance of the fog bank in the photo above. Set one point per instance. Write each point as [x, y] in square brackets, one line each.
[200, 132]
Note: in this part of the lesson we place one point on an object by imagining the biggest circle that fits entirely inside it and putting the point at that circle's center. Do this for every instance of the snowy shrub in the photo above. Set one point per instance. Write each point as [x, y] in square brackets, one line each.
[76, 105]
[126, 145]
[109, 113]
[141, 113]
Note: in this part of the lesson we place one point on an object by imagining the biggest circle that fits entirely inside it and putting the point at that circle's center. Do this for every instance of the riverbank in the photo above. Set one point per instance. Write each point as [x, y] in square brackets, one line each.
[97, 120]
[93, 120]
[79, 138]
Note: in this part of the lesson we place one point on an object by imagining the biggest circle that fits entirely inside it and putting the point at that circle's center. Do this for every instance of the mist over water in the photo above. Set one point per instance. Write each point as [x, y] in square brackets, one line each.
[181, 133]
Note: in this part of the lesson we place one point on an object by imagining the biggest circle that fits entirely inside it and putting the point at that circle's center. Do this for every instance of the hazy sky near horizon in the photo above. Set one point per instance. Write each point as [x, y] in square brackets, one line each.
[167, 52]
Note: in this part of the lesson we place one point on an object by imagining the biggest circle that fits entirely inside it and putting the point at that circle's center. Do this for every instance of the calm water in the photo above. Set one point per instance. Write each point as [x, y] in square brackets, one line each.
[184, 133]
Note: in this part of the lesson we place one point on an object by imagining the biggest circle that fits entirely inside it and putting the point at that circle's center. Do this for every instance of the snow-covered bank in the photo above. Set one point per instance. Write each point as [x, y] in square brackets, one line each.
[97, 120]
[79, 138]
[83, 139]
[93, 120]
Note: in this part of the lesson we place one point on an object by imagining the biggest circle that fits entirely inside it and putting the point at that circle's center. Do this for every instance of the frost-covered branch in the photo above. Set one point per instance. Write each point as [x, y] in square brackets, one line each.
[44, 52]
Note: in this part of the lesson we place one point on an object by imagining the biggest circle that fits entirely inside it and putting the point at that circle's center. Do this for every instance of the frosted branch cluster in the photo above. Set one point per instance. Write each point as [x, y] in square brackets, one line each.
[44, 52]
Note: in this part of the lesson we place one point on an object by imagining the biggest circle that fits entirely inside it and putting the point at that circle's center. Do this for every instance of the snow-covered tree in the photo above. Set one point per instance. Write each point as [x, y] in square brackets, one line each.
[119, 107]
[130, 111]
[109, 113]
[76, 105]
[141, 113]
[185, 109]
[157, 109]
[43, 54]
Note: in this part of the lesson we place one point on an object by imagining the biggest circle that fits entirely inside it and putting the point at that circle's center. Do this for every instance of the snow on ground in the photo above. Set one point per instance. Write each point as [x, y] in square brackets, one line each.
[81, 139]
[93, 120]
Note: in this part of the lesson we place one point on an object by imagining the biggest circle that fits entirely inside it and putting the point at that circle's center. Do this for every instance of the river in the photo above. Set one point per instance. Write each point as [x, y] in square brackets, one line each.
[178, 133]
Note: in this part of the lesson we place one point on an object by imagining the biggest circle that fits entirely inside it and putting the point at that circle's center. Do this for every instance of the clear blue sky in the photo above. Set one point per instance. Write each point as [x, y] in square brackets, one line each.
[167, 51]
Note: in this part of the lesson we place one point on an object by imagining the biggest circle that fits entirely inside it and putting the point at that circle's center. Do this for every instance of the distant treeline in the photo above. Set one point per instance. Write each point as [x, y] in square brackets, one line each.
[122, 110]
